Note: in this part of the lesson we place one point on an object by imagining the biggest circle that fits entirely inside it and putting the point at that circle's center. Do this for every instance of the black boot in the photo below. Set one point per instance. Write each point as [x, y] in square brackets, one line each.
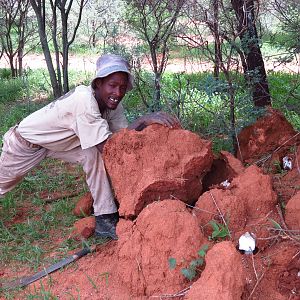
[106, 226]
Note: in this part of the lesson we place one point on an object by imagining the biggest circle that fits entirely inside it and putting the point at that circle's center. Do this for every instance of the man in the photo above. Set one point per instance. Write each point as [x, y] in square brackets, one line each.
[75, 128]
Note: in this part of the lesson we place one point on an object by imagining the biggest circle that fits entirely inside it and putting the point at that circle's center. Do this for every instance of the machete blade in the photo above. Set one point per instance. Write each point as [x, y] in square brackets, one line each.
[24, 281]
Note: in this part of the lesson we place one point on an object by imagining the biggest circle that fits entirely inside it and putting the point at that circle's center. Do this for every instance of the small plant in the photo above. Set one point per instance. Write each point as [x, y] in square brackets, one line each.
[172, 263]
[42, 293]
[5, 73]
[192, 270]
[277, 166]
[275, 224]
[220, 231]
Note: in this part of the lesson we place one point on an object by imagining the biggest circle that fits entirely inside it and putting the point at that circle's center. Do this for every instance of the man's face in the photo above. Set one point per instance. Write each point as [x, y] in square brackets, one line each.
[111, 89]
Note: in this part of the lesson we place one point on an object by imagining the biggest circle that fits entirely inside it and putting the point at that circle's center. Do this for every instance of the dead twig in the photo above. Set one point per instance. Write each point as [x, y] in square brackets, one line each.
[264, 159]
[59, 195]
[220, 213]
[297, 162]
[200, 209]
[261, 219]
[178, 294]
[253, 265]
[290, 231]
[194, 207]
[256, 284]
[139, 266]
[290, 234]
[268, 238]
[295, 255]
[281, 217]
[238, 144]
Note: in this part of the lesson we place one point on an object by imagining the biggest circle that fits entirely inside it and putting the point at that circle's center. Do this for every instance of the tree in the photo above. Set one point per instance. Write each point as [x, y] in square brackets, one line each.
[214, 19]
[154, 21]
[255, 72]
[288, 13]
[229, 51]
[100, 20]
[63, 35]
[239, 32]
[16, 30]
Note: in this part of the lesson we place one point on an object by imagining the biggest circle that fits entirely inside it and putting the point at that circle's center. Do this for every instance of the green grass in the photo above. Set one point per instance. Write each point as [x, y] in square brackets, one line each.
[285, 91]
[11, 90]
[202, 103]
[28, 222]
[31, 228]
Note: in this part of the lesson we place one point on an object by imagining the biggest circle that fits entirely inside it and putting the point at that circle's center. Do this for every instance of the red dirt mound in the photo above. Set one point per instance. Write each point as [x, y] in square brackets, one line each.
[147, 260]
[137, 266]
[224, 167]
[248, 200]
[265, 136]
[156, 163]
[223, 277]
[287, 183]
[292, 212]
[162, 231]
[84, 206]
[271, 274]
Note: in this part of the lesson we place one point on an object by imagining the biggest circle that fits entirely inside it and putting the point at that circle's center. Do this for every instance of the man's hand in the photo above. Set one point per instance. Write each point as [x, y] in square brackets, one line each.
[156, 117]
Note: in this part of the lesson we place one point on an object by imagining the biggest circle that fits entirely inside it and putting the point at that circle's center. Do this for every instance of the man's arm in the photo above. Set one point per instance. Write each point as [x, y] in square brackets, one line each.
[146, 120]
[158, 118]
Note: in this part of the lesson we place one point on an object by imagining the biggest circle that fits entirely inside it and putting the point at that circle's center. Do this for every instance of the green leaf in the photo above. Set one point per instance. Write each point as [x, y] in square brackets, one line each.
[215, 234]
[219, 230]
[275, 224]
[188, 273]
[203, 250]
[223, 232]
[196, 263]
[172, 263]
[214, 225]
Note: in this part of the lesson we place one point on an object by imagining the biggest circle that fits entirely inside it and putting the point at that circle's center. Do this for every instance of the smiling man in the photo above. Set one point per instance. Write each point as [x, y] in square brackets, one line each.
[75, 128]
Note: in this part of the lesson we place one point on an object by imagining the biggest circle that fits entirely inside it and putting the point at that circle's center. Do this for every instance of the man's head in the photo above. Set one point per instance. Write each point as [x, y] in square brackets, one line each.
[113, 79]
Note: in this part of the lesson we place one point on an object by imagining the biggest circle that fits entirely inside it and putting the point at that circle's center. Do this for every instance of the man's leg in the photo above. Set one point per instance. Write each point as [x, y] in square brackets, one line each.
[96, 176]
[16, 161]
[105, 208]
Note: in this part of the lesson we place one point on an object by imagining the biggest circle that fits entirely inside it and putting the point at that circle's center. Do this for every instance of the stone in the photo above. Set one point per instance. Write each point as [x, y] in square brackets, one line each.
[84, 206]
[84, 228]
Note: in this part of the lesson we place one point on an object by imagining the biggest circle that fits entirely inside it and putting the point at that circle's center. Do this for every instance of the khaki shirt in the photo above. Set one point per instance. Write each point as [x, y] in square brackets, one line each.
[72, 120]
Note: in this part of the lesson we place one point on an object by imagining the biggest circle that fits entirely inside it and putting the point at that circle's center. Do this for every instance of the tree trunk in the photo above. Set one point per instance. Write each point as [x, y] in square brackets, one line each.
[56, 47]
[43, 38]
[157, 75]
[157, 105]
[20, 61]
[218, 52]
[64, 22]
[255, 73]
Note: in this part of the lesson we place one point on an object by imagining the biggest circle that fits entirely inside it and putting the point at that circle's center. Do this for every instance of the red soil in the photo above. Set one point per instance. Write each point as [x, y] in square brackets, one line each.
[162, 229]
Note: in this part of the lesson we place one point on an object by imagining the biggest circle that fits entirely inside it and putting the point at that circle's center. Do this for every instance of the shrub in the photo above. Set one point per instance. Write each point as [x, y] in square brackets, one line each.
[5, 73]
[11, 90]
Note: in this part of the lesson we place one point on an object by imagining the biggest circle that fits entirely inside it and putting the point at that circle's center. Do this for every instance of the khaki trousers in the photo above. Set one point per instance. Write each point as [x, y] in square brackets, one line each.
[18, 157]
